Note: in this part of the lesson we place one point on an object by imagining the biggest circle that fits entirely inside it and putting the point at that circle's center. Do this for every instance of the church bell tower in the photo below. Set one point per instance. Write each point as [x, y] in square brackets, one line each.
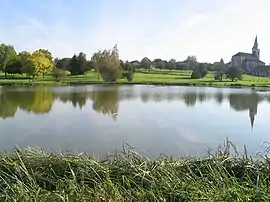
[255, 49]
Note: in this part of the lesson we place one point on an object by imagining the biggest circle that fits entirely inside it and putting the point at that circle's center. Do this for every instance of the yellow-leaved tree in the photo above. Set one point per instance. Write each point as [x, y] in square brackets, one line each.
[42, 63]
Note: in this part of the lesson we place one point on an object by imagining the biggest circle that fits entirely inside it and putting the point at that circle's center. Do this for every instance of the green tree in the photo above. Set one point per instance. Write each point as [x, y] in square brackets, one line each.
[234, 73]
[191, 62]
[78, 64]
[63, 63]
[107, 64]
[14, 66]
[146, 63]
[59, 74]
[7, 53]
[127, 70]
[171, 64]
[159, 64]
[199, 72]
[27, 64]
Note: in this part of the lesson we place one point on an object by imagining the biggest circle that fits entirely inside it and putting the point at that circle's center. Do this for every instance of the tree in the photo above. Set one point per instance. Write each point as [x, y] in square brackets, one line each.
[63, 63]
[220, 70]
[199, 72]
[47, 53]
[234, 73]
[146, 63]
[127, 70]
[7, 53]
[171, 64]
[159, 64]
[78, 64]
[14, 66]
[27, 63]
[59, 74]
[191, 62]
[107, 64]
[41, 62]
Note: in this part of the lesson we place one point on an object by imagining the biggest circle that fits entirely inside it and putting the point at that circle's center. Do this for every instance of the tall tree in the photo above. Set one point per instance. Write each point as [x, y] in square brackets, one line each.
[107, 64]
[63, 63]
[146, 63]
[7, 53]
[42, 63]
[78, 64]
[171, 64]
[159, 64]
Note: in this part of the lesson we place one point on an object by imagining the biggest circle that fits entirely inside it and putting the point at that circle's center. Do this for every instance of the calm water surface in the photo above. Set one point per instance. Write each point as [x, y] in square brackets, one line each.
[98, 119]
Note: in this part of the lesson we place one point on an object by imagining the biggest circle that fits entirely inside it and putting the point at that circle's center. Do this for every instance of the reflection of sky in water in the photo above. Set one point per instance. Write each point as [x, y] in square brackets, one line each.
[155, 126]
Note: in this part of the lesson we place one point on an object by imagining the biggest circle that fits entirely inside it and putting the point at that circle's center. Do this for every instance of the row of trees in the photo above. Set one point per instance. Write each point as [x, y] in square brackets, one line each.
[40, 62]
[106, 63]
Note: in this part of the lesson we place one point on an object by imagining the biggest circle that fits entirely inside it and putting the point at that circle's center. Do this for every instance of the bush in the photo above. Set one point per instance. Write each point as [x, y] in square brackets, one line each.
[128, 75]
[59, 74]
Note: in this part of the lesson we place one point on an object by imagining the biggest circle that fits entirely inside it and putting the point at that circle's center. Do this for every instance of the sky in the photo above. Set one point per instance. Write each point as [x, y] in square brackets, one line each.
[166, 29]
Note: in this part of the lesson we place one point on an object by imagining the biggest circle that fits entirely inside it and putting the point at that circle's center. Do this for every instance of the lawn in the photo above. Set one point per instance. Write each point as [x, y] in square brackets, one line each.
[163, 77]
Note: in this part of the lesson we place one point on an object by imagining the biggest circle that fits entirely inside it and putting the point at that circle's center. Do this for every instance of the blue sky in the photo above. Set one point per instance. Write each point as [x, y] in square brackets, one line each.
[208, 29]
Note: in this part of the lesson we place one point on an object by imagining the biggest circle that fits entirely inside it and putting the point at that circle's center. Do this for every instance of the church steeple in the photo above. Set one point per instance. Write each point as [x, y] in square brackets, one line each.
[255, 49]
[255, 43]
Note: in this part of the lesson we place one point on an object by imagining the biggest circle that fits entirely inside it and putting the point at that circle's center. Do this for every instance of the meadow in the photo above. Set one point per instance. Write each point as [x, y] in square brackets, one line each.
[158, 77]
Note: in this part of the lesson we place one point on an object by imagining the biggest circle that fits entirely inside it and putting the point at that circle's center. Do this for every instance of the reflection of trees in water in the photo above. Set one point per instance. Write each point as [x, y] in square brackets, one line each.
[106, 101]
[219, 97]
[190, 98]
[35, 100]
[76, 98]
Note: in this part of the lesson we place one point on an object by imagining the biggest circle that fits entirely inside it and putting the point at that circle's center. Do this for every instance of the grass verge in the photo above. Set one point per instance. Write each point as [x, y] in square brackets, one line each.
[34, 175]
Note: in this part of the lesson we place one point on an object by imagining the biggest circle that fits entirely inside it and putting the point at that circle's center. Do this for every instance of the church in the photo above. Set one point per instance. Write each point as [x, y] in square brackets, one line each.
[250, 63]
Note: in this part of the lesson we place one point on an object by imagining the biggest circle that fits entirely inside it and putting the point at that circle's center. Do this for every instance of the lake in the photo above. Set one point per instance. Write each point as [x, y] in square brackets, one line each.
[100, 119]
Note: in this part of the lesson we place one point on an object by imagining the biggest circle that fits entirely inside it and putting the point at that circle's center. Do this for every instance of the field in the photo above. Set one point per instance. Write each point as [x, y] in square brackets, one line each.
[162, 77]
[33, 175]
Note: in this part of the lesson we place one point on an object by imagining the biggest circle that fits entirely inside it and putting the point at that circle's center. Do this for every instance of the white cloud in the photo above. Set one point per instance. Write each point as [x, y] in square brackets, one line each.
[210, 31]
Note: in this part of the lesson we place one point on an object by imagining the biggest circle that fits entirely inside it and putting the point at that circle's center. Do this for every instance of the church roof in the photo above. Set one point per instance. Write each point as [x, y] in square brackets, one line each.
[246, 55]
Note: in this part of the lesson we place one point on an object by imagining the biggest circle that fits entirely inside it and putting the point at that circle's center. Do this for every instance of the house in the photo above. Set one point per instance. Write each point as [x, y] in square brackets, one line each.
[261, 71]
[248, 61]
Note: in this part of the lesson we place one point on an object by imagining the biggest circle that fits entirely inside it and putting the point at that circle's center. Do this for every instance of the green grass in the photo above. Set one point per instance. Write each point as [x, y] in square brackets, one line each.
[33, 175]
[163, 77]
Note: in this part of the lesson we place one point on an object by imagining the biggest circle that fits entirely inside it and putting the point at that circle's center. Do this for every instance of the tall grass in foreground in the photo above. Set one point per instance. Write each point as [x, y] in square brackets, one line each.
[33, 175]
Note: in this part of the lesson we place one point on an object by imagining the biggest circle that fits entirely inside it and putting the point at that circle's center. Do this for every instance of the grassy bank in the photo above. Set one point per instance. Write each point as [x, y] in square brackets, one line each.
[33, 175]
[156, 77]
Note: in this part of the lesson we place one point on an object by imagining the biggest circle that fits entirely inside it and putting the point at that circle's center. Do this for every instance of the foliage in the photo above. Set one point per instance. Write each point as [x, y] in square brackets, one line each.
[78, 64]
[199, 72]
[146, 63]
[171, 65]
[14, 66]
[59, 74]
[41, 63]
[191, 62]
[159, 64]
[107, 64]
[234, 73]
[7, 56]
[34, 175]
[63, 63]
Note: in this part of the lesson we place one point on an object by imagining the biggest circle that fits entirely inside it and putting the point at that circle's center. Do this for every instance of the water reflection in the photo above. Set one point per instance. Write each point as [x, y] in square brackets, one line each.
[106, 99]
